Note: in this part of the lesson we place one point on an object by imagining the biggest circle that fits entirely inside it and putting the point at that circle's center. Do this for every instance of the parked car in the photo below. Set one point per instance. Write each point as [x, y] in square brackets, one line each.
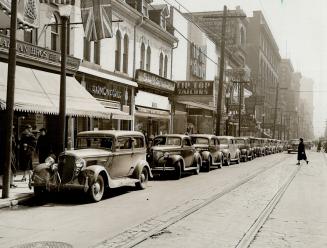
[243, 145]
[263, 147]
[229, 149]
[102, 160]
[174, 153]
[208, 146]
[293, 145]
[255, 146]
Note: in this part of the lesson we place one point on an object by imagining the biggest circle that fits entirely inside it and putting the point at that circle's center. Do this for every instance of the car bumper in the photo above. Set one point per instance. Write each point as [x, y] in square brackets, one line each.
[51, 186]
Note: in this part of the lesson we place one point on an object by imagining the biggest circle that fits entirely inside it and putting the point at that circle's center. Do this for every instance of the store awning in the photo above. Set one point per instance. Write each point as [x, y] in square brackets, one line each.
[198, 105]
[38, 92]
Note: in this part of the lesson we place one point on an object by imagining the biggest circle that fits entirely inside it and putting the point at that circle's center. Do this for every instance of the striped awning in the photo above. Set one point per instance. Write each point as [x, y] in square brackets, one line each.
[70, 2]
[38, 92]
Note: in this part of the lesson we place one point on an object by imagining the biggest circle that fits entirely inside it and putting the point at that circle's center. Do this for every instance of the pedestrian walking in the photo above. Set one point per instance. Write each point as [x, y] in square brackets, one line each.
[43, 146]
[27, 147]
[301, 155]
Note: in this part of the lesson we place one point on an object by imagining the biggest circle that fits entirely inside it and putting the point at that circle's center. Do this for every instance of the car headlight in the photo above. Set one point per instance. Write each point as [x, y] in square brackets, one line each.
[80, 163]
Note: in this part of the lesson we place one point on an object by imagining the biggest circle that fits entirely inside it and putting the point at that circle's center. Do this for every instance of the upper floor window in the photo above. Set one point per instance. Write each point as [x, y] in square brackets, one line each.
[55, 44]
[148, 58]
[125, 55]
[161, 64]
[118, 51]
[87, 50]
[166, 67]
[142, 62]
[242, 36]
[163, 21]
[30, 36]
[97, 52]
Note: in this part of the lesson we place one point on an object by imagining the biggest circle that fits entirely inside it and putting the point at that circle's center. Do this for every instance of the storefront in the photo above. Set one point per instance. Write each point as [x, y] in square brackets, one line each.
[153, 104]
[37, 93]
[115, 93]
[195, 104]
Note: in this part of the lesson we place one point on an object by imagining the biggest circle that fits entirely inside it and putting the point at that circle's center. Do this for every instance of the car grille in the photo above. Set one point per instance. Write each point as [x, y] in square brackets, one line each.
[66, 168]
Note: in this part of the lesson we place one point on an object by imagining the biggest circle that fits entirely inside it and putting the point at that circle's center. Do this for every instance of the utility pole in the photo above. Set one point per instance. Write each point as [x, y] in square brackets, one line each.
[240, 88]
[10, 101]
[275, 111]
[221, 72]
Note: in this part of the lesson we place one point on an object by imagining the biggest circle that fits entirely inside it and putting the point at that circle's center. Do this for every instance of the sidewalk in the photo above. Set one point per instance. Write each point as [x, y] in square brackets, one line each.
[17, 195]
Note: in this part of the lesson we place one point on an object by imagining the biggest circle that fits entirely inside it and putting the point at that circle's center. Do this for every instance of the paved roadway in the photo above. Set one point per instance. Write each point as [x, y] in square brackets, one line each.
[241, 192]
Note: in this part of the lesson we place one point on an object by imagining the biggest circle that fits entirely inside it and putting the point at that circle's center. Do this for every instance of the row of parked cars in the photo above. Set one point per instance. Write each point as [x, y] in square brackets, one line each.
[111, 159]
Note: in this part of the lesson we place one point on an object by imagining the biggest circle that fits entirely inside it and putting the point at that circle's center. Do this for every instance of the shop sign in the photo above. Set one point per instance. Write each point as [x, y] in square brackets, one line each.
[237, 75]
[29, 51]
[195, 88]
[152, 111]
[151, 80]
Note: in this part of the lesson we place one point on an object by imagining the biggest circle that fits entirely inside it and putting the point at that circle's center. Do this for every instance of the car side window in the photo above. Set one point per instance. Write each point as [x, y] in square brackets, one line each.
[124, 143]
[217, 142]
[212, 142]
[139, 142]
[187, 142]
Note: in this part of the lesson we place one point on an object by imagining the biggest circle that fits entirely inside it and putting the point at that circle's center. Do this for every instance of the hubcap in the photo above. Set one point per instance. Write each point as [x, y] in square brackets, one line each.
[96, 188]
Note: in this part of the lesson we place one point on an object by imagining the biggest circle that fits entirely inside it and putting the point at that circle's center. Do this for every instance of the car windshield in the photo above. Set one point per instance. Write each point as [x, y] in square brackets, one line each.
[95, 142]
[200, 140]
[240, 141]
[167, 141]
[223, 141]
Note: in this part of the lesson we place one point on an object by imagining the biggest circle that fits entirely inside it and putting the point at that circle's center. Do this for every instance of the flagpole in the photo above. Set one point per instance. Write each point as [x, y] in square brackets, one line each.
[10, 100]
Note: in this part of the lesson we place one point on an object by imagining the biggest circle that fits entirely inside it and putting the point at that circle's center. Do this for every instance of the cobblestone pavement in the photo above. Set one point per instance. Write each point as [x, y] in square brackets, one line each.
[127, 212]
[224, 222]
[300, 219]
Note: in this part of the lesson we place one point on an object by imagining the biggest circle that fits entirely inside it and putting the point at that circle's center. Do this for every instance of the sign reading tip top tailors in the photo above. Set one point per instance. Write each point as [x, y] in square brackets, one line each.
[194, 88]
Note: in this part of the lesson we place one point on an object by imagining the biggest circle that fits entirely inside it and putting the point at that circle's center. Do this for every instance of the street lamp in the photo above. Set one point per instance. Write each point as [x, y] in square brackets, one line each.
[64, 12]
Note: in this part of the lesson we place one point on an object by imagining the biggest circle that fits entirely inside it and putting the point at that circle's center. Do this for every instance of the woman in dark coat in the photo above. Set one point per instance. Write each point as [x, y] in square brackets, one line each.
[43, 146]
[301, 152]
[27, 147]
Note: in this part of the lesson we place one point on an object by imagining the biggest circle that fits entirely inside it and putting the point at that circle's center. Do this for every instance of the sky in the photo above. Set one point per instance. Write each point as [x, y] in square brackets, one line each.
[300, 30]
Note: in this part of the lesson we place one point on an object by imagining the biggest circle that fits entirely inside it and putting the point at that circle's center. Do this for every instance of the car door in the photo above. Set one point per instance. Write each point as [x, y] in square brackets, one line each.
[139, 152]
[187, 151]
[232, 148]
[122, 158]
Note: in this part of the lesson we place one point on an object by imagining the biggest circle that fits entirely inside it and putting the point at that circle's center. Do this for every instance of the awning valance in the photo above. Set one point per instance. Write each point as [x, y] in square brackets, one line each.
[198, 105]
[38, 92]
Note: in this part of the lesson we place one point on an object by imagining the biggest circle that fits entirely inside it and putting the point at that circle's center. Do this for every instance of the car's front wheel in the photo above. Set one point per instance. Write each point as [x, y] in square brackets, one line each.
[208, 165]
[143, 179]
[96, 190]
[39, 192]
[198, 166]
[178, 171]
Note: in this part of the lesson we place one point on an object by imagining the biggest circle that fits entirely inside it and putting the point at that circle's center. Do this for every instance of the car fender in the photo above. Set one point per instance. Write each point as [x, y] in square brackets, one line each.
[197, 156]
[96, 170]
[139, 167]
[205, 155]
[175, 158]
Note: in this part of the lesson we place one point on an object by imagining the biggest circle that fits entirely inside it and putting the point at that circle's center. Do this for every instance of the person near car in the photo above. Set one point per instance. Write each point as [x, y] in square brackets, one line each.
[301, 155]
[27, 147]
[43, 146]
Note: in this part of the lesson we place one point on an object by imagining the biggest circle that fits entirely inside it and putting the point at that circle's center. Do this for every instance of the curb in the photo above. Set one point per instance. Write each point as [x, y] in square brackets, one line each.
[15, 201]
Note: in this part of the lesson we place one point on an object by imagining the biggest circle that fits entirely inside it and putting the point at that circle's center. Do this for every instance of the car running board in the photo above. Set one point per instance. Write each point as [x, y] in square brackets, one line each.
[119, 182]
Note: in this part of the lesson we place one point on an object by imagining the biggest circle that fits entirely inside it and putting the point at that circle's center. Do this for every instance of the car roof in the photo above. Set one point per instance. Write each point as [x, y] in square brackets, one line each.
[114, 133]
[226, 137]
[209, 136]
[173, 135]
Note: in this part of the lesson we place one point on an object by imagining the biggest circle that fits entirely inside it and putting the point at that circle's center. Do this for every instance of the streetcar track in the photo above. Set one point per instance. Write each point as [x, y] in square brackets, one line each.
[251, 233]
[131, 238]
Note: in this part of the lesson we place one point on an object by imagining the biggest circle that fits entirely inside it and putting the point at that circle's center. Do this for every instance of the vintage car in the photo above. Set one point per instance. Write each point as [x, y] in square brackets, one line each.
[262, 147]
[292, 145]
[173, 153]
[246, 152]
[102, 160]
[208, 146]
[255, 146]
[229, 149]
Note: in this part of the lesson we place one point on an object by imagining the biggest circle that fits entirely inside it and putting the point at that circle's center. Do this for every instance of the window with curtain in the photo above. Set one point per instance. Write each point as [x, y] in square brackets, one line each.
[161, 64]
[125, 55]
[142, 62]
[148, 58]
[166, 67]
[118, 51]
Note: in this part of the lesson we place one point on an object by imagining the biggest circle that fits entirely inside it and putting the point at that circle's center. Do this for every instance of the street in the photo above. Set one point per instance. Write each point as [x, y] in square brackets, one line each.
[215, 209]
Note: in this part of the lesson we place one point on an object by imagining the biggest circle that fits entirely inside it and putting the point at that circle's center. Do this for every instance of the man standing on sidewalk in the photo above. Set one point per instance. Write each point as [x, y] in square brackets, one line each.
[301, 153]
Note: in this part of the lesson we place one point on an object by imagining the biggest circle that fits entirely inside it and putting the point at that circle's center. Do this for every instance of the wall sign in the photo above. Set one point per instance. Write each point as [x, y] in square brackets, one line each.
[39, 54]
[151, 80]
[194, 88]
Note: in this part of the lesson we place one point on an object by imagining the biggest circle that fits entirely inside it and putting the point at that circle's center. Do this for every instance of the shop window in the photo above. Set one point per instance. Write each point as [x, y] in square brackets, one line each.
[118, 51]
[142, 62]
[166, 67]
[148, 59]
[97, 52]
[161, 64]
[125, 55]
[55, 43]
[30, 36]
